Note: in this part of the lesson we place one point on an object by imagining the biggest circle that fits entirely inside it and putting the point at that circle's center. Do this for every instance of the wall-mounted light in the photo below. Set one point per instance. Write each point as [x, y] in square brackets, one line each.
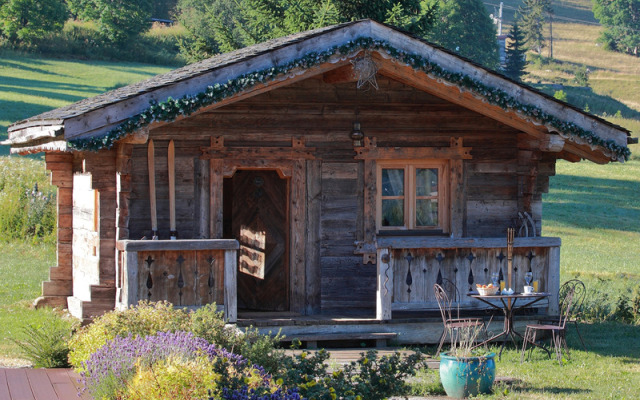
[356, 134]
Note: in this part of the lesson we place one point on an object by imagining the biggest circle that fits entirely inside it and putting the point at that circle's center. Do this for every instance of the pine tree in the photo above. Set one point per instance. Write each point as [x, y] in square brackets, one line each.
[515, 60]
[532, 14]
[464, 26]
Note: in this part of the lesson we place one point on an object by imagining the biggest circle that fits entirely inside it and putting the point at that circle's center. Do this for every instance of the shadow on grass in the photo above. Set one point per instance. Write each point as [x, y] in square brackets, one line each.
[610, 339]
[589, 203]
[32, 61]
[18, 110]
[14, 84]
[582, 97]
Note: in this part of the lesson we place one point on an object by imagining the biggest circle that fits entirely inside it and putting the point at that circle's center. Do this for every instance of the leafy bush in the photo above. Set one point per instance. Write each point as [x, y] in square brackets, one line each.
[175, 365]
[581, 77]
[45, 344]
[149, 318]
[28, 201]
[84, 40]
[208, 323]
[560, 95]
[144, 319]
[369, 377]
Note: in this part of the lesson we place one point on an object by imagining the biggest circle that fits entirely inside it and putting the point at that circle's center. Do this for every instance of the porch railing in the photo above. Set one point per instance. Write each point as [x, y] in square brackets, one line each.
[187, 273]
[408, 268]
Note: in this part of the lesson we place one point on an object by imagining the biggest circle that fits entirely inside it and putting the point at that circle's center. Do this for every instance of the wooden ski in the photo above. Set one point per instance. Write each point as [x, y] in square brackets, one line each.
[152, 189]
[172, 191]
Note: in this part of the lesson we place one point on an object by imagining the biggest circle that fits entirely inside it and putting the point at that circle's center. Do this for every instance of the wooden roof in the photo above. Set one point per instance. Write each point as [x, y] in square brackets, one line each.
[111, 116]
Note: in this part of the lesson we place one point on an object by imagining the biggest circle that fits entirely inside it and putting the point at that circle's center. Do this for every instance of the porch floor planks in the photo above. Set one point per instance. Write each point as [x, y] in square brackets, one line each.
[40, 384]
[344, 356]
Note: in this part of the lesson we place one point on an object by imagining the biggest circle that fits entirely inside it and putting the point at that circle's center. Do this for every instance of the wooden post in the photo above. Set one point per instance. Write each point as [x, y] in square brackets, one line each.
[298, 213]
[553, 279]
[312, 245]
[385, 285]
[215, 198]
[230, 286]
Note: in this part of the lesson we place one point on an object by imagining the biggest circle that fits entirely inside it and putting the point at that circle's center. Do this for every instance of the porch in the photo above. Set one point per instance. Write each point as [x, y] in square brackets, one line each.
[192, 273]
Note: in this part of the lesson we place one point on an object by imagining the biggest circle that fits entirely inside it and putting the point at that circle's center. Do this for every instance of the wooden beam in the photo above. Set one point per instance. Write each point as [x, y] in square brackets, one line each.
[585, 152]
[343, 74]
[413, 153]
[422, 81]
[298, 213]
[284, 168]
[103, 120]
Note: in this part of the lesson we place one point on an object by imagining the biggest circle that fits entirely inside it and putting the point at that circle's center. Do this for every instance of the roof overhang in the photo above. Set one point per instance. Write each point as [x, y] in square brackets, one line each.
[100, 121]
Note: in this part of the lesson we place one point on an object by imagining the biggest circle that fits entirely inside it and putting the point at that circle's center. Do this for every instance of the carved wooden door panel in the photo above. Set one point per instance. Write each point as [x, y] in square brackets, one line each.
[259, 222]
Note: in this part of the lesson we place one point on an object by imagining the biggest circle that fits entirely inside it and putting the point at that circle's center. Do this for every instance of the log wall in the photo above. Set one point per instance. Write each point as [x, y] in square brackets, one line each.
[506, 174]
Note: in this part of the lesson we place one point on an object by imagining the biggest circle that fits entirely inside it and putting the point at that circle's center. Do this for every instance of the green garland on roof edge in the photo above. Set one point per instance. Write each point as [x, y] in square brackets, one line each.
[170, 109]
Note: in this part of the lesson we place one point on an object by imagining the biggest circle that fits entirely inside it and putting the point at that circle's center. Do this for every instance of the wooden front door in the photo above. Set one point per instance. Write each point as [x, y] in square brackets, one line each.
[258, 220]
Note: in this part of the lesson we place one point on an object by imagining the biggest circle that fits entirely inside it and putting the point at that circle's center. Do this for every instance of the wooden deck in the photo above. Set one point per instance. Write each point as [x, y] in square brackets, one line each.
[40, 384]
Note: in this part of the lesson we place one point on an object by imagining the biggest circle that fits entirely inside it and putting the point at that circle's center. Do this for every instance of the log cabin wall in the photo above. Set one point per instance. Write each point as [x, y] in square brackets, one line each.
[94, 234]
[504, 167]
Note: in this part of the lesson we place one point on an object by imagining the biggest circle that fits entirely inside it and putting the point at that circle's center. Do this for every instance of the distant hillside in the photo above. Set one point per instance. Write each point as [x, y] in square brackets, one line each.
[569, 11]
[613, 90]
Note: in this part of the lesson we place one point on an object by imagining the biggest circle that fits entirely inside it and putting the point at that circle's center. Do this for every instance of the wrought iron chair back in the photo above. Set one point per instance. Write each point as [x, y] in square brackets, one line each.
[558, 336]
[566, 306]
[579, 296]
[447, 303]
[447, 296]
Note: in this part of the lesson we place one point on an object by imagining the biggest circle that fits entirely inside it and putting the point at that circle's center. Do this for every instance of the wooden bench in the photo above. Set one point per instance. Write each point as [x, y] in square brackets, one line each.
[312, 339]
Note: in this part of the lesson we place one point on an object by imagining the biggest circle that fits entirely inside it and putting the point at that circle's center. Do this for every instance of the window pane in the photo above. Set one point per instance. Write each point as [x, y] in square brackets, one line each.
[393, 182]
[393, 212]
[426, 181]
[427, 212]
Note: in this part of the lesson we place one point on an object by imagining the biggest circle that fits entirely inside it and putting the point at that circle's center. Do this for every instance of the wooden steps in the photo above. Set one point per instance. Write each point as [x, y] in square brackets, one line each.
[311, 340]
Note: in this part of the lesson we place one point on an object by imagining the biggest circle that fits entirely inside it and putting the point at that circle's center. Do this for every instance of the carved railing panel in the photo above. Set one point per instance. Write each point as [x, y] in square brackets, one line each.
[415, 267]
[188, 273]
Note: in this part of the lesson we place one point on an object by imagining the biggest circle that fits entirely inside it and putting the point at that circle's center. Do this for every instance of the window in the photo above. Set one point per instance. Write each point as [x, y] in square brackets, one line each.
[412, 195]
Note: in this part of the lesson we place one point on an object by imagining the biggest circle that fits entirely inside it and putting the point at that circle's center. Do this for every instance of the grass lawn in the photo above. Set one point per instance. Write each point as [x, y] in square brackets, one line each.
[610, 369]
[23, 267]
[30, 85]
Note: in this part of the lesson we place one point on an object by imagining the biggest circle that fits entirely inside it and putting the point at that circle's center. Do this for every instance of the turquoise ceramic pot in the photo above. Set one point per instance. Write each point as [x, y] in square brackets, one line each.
[467, 376]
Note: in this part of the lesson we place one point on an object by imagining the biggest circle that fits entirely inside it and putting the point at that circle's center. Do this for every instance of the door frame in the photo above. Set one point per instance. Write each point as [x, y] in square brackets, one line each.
[294, 171]
[286, 264]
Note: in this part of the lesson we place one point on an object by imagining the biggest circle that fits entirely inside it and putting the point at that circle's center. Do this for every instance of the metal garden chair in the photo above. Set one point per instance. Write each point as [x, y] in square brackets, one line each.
[450, 312]
[579, 294]
[557, 330]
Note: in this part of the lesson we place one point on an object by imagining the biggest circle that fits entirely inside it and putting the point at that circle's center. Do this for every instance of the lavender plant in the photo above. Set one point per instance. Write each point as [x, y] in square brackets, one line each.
[110, 372]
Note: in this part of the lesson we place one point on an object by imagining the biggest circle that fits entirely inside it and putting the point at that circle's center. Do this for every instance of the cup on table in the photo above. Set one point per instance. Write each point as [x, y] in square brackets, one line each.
[502, 285]
[535, 286]
[528, 289]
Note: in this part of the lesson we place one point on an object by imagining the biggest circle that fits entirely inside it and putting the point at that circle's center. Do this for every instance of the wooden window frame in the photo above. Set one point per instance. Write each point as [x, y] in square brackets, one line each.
[410, 197]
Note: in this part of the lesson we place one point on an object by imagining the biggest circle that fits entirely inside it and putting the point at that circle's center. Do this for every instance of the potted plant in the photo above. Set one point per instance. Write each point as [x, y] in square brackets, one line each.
[466, 370]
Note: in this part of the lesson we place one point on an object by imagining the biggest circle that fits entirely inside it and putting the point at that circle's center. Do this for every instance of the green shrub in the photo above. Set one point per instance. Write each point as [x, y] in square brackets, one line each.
[28, 201]
[370, 377]
[84, 40]
[581, 77]
[560, 95]
[149, 318]
[173, 378]
[144, 319]
[46, 344]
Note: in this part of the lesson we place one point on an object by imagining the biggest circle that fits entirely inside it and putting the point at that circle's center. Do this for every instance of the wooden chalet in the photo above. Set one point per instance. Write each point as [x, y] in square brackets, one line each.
[339, 172]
